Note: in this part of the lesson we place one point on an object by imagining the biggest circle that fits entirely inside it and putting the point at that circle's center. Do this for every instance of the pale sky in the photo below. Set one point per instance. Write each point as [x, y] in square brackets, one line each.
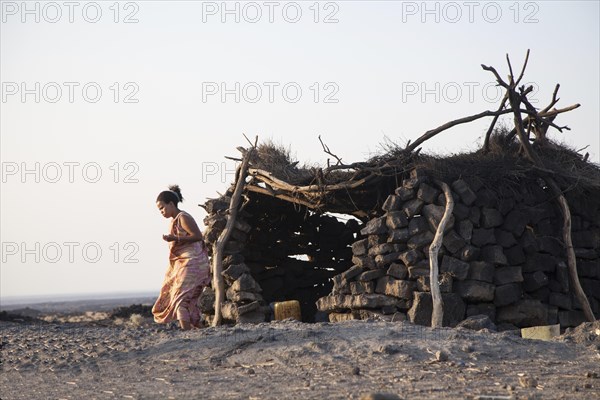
[153, 102]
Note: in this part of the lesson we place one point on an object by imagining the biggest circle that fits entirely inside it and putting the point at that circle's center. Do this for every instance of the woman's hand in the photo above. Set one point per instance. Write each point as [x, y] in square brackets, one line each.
[169, 238]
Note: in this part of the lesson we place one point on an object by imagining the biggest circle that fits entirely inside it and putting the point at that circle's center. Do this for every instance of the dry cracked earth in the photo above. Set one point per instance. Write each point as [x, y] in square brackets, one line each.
[292, 360]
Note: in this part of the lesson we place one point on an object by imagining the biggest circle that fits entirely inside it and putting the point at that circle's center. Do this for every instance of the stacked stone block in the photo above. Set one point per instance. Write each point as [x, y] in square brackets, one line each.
[502, 256]
[243, 300]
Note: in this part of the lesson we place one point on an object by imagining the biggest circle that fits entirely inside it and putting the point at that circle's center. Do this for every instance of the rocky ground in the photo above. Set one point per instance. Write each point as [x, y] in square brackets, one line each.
[100, 358]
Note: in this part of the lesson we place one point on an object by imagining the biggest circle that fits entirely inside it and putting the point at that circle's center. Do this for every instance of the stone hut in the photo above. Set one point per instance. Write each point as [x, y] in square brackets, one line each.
[351, 241]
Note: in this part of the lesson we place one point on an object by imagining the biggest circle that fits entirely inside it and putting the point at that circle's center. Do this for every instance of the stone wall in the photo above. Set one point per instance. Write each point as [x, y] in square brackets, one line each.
[244, 302]
[502, 256]
[277, 252]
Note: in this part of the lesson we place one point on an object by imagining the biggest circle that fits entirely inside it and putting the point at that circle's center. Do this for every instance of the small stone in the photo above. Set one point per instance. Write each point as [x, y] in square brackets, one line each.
[427, 193]
[441, 356]
[234, 271]
[412, 207]
[398, 236]
[420, 240]
[362, 287]
[535, 281]
[421, 269]
[540, 262]
[445, 284]
[374, 240]
[506, 205]
[490, 218]
[372, 301]
[481, 237]
[560, 300]
[394, 287]
[475, 215]
[460, 211]
[405, 193]
[528, 242]
[398, 271]
[465, 229]
[371, 275]
[467, 348]
[504, 238]
[588, 239]
[526, 312]
[360, 247]
[417, 225]
[434, 215]
[527, 381]
[587, 254]
[515, 222]
[453, 242]
[469, 253]
[475, 291]
[351, 272]
[364, 262]
[422, 305]
[464, 191]
[384, 260]
[392, 203]
[420, 174]
[549, 244]
[515, 255]
[507, 294]
[382, 248]
[376, 226]
[457, 268]
[477, 323]
[488, 309]
[486, 198]
[562, 275]
[494, 255]
[481, 271]
[571, 318]
[505, 275]
[588, 269]
[245, 283]
[237, 297]
[246, 308]
[413, 182]
[410, 257]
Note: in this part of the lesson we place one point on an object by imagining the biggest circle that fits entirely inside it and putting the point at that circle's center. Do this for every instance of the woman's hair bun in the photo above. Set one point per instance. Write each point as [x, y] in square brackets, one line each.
[177, 190]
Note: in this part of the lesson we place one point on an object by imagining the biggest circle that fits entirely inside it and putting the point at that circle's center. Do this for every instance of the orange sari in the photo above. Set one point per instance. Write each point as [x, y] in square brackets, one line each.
[187, 275]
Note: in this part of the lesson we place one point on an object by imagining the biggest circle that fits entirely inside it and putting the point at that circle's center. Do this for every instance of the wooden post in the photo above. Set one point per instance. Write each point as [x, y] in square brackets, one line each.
[219, 246]
[571, 261]
[437, 316]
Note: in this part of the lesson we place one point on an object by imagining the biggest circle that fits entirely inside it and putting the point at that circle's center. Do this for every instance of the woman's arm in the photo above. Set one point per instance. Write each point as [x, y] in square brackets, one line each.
[190, 226]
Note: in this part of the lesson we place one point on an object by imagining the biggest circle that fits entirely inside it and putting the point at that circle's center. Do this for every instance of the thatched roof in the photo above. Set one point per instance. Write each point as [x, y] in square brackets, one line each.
[360, 188]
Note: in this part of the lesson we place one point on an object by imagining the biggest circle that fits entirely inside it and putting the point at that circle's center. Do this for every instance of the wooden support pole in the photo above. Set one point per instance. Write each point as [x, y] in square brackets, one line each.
[219, 246]
[437, 316]
[571, 261]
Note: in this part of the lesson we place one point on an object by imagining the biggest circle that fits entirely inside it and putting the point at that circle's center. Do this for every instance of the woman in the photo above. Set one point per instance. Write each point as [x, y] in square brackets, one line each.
[188, 271]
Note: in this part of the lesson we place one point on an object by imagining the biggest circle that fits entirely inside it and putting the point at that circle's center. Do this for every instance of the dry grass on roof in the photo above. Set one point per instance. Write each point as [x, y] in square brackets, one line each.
[278, 160]
[503, 167]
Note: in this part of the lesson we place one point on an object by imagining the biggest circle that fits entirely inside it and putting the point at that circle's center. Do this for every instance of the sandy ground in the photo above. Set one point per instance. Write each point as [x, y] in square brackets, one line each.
[96, 358]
